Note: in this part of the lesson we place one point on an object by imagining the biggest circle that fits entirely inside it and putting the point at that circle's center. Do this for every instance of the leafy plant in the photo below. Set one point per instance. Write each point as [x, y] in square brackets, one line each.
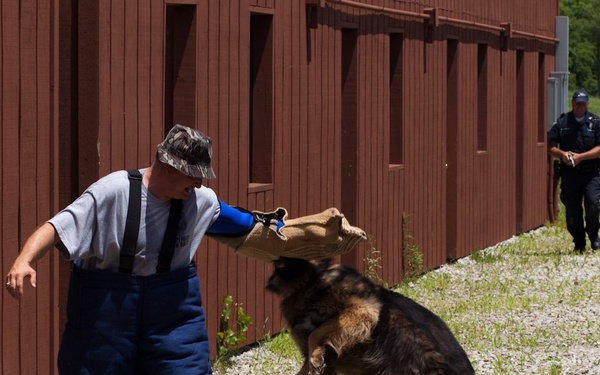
[412, 257]
[373, 263]
[227, 339]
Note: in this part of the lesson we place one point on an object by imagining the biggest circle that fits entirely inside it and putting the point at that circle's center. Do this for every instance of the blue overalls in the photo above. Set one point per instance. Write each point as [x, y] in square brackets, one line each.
[120, 323]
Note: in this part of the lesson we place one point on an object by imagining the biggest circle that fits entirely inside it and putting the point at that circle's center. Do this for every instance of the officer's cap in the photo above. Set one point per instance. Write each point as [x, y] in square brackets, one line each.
[580, 96]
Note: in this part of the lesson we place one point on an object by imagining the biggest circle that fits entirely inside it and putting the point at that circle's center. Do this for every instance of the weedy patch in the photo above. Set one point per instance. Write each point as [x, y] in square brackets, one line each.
[373, 263]
[486, 257]
[526, 296]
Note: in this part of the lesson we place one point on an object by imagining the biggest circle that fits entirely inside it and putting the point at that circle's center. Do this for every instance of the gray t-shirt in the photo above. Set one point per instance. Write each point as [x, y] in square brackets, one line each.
[91, 228]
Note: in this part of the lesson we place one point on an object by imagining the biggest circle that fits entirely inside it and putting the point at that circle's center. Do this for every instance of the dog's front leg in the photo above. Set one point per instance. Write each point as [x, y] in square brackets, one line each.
[317, 344]
[353, 326]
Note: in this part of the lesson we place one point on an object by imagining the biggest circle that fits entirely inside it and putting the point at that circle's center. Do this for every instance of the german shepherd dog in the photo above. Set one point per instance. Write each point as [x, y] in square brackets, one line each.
[343, 323]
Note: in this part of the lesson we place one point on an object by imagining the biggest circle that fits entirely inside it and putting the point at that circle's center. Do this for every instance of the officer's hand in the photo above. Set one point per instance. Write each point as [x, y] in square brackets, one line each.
[576, 158]
[569, 158]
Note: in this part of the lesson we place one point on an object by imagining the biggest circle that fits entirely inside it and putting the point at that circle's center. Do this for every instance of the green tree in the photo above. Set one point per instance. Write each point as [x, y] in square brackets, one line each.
[595, 35]
[584, 40]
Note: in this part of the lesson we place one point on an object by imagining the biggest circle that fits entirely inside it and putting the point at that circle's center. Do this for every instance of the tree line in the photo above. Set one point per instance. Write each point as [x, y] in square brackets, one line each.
[584, 43]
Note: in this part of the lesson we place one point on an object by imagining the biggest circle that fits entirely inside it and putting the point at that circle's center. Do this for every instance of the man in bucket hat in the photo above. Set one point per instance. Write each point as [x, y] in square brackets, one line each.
[134, 303]
[574, 139]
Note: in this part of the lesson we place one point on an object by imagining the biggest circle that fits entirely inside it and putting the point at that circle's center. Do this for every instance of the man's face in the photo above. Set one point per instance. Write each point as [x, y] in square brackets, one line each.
[182, 184]
[580, 108]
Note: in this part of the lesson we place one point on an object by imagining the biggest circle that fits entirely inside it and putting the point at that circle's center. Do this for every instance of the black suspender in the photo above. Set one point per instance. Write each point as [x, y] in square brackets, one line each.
[132, 225]
[168, 246]
[132, 228]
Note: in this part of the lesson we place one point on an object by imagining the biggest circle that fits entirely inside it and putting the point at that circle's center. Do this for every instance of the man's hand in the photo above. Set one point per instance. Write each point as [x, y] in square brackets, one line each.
[42, 240]
[15, 280]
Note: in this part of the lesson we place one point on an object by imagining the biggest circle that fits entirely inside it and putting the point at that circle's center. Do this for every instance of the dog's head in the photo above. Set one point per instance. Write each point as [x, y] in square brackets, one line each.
[291, 274]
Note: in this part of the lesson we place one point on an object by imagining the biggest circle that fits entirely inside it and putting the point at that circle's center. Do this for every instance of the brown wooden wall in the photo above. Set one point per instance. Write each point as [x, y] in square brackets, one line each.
[28, 186]
[90, 86]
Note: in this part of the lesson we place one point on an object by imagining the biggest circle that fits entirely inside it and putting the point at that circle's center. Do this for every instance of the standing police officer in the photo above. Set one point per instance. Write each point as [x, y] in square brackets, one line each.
[575, 139]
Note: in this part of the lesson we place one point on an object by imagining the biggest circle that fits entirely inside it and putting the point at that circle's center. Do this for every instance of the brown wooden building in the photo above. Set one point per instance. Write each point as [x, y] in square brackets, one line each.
[435, 110]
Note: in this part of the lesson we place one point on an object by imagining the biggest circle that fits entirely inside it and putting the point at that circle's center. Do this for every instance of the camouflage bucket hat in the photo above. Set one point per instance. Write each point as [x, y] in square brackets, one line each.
[188, 151]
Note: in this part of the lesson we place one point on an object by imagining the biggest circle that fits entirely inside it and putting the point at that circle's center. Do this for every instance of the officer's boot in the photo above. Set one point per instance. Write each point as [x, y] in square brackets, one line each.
[595, 241]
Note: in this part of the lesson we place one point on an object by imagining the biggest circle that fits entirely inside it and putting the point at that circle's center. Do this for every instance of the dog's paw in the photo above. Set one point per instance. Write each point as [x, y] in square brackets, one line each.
[317, 361]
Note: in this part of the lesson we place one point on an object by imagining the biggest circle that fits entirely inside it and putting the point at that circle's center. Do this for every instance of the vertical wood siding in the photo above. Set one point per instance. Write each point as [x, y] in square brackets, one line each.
[28, 115]
[108, 113]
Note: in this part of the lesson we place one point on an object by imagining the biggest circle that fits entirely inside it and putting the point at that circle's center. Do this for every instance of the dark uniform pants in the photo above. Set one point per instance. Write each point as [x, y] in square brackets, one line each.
[125, 324]
[575, 188]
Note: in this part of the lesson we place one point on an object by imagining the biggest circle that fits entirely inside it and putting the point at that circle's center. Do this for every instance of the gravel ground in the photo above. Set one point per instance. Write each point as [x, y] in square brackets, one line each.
[515, 309]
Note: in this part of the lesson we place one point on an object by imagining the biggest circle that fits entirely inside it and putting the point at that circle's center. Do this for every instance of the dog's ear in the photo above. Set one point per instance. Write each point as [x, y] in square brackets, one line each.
[290, 267]
[284, 262]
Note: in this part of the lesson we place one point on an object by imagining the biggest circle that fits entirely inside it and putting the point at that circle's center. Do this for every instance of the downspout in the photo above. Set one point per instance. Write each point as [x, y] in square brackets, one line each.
[558, 88]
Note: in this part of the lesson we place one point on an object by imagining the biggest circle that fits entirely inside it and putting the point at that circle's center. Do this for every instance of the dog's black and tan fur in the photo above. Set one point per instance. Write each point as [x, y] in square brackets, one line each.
[345, 324]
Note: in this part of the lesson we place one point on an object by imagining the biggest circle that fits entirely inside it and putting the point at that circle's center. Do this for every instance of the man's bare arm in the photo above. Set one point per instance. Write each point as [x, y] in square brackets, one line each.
[37, 245]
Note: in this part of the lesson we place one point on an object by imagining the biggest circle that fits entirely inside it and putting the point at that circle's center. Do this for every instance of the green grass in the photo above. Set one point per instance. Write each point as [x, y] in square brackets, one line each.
[594, 105]
[272, 355]
[283, 345]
